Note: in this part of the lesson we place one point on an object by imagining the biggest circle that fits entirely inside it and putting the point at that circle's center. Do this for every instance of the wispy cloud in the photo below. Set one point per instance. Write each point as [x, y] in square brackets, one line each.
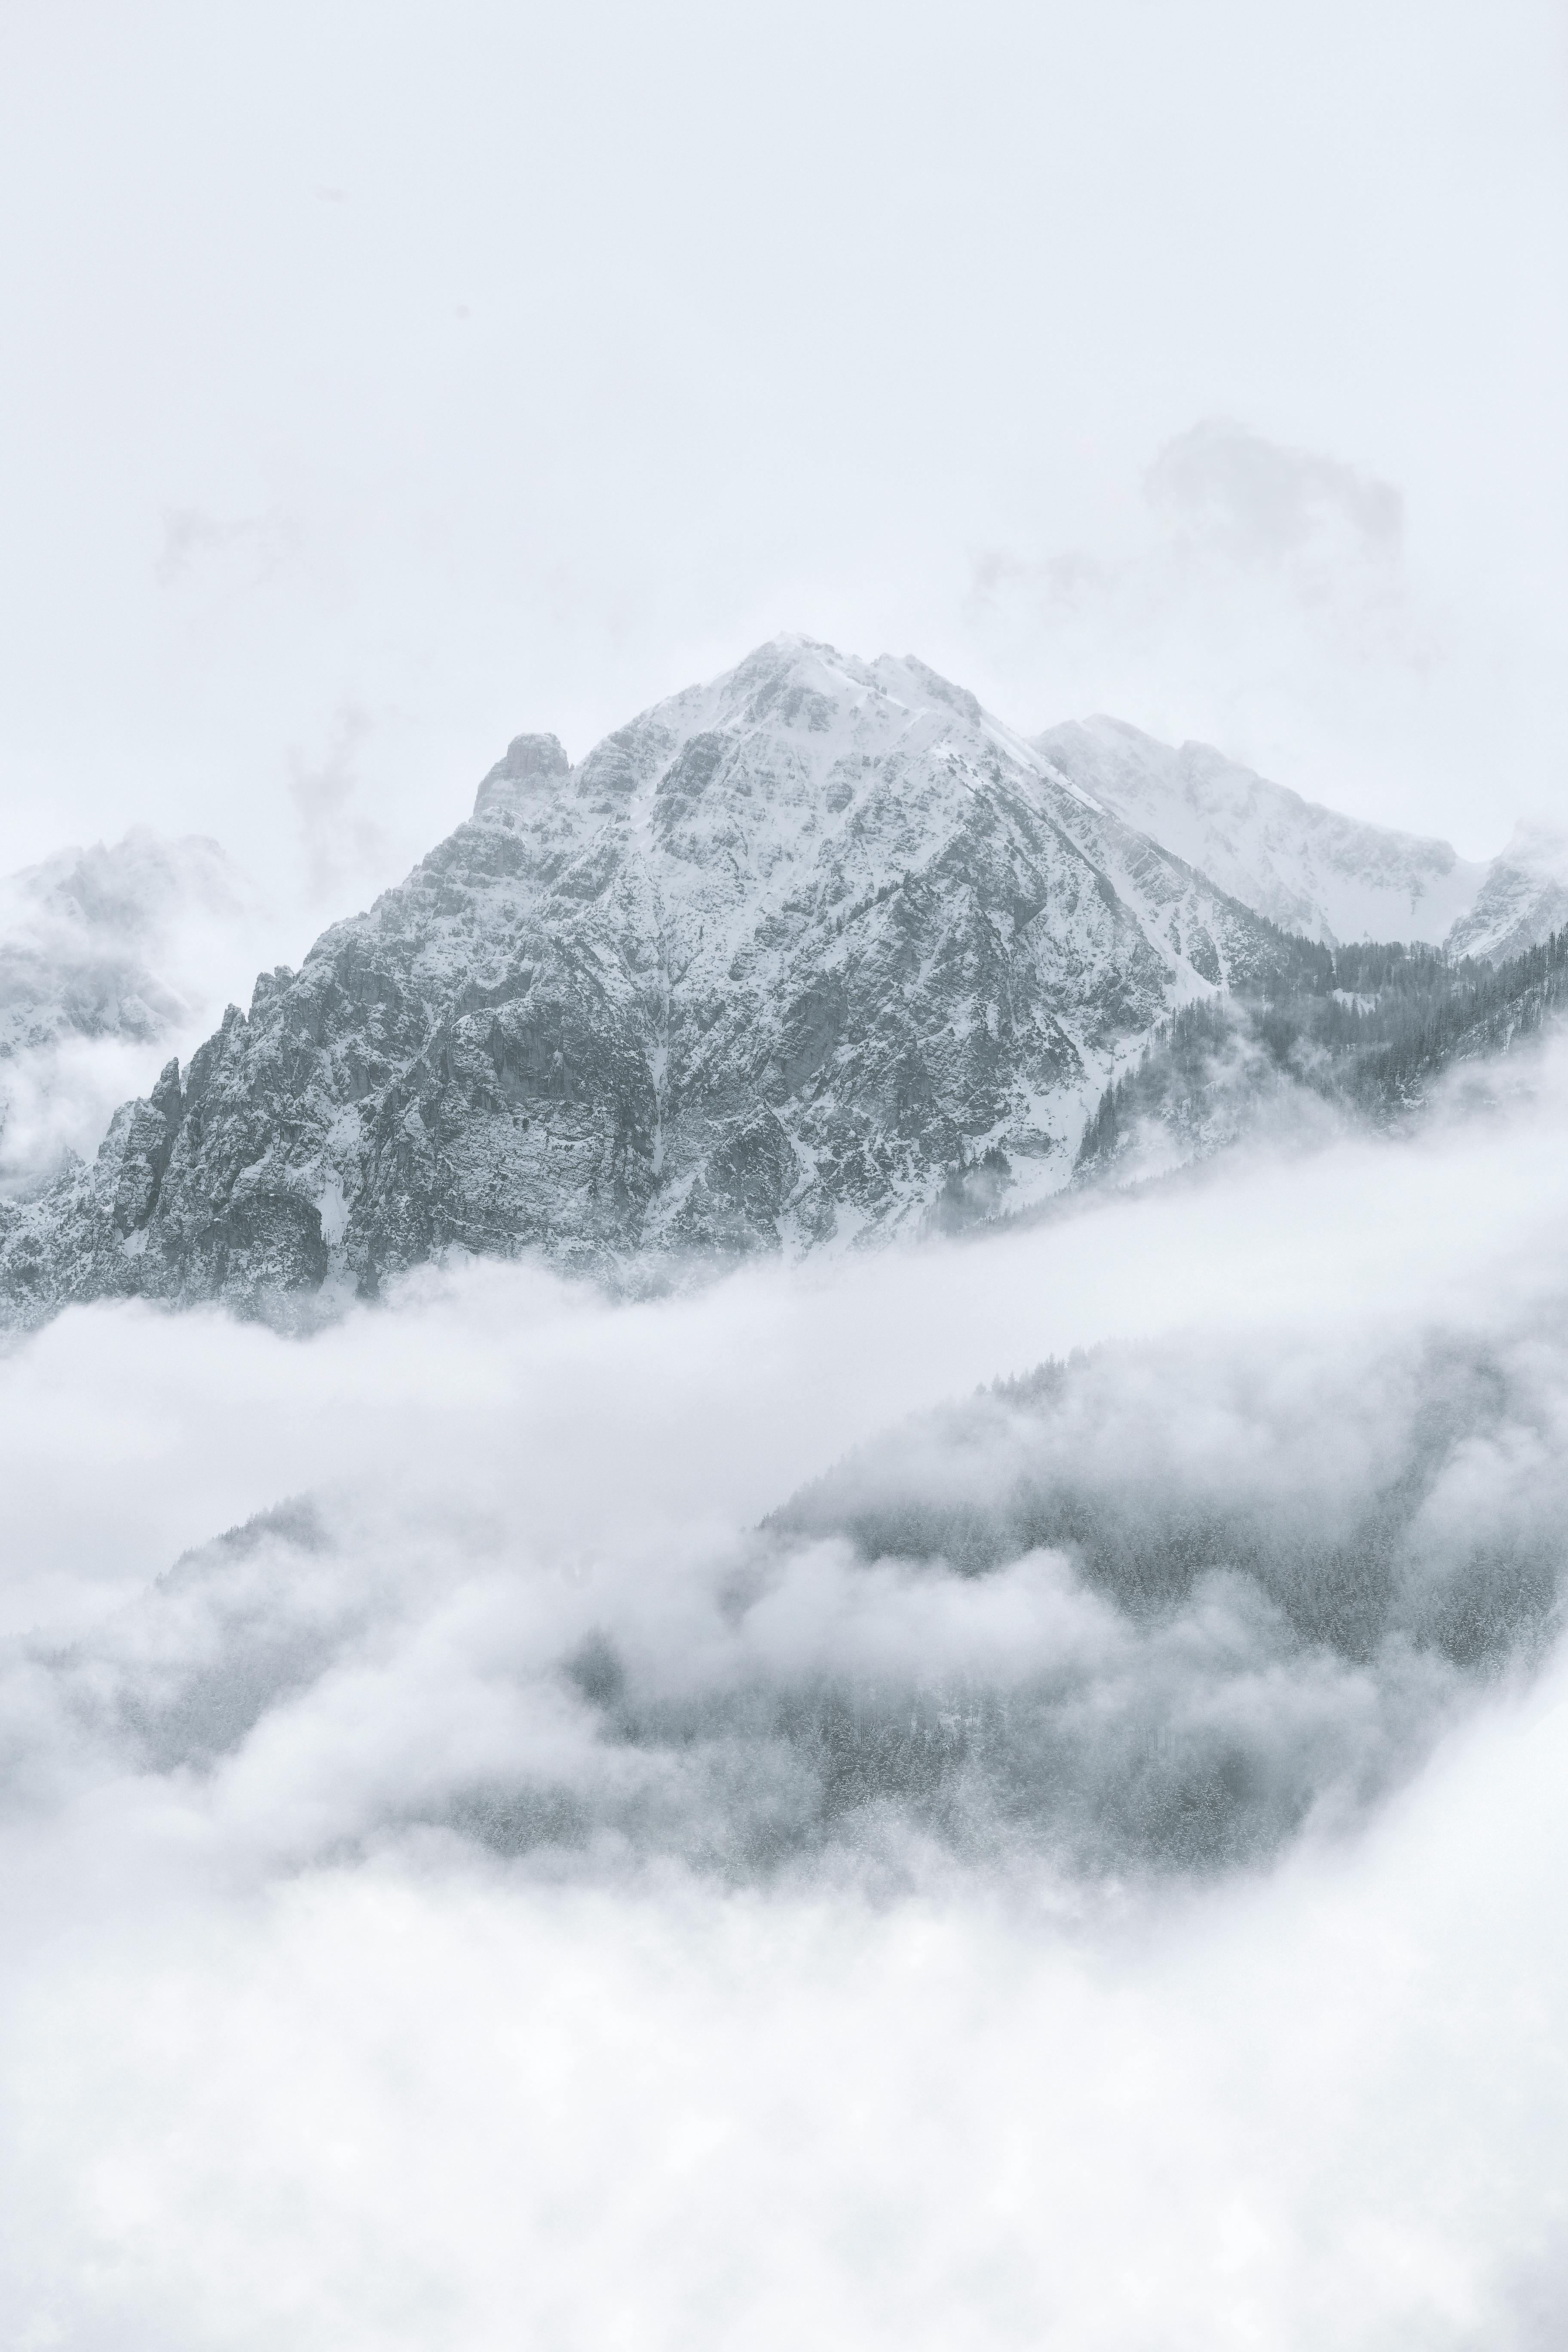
[1255, 592]
[343, 844]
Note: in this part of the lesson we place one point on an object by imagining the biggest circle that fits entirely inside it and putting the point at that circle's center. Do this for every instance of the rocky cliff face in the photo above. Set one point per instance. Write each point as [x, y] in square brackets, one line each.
[812, 954]
[1524, 899]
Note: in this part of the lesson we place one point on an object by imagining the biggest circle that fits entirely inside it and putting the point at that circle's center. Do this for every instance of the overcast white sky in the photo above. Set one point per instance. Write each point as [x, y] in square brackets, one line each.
[382, 380]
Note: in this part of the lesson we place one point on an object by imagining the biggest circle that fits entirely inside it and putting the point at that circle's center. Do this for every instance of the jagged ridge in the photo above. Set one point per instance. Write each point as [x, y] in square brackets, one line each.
[774, 966]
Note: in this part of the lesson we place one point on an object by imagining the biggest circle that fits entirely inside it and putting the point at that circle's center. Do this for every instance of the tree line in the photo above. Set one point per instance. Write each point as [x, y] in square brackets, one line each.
[1368, 1025]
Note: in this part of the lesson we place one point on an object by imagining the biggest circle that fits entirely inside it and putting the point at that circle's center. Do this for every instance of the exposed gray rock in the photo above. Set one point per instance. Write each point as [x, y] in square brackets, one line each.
[781, 963]
[1523, 899]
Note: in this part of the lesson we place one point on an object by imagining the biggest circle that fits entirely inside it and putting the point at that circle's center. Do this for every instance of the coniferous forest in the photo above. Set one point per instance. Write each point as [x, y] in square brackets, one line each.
[1368, 1027]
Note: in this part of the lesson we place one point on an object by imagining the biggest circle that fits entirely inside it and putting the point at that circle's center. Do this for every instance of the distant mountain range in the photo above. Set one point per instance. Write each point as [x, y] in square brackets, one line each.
[1309, 868]
[816, 955]
[107, 954]
[95, 942]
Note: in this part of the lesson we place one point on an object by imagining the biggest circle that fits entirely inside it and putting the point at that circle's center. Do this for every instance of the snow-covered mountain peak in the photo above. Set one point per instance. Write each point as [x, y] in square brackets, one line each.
[1538, 839]
[528, 758]
[720, 805]
[1310, 868]
[735, 786]
[1525, 895]
[1307, 867]
[805, 955]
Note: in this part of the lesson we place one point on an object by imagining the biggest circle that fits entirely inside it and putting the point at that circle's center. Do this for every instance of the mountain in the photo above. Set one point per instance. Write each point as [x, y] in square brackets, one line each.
[815, 953]
[91, 940]
[105, 954]
[1306, 867]
[1160, 1608]
[1524, 899]
[1366, 1031]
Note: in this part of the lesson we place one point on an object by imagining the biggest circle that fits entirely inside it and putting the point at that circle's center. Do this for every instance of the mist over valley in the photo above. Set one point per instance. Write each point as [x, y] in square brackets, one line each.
[784, 1157]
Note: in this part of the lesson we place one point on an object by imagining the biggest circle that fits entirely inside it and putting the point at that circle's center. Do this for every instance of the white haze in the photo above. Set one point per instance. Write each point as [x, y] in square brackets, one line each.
[390, 381]
[113, 957]
[295, 2050]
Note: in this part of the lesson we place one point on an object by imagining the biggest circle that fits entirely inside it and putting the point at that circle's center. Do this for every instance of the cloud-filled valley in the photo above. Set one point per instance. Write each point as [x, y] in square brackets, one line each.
[665, 1713]
[1157, 1611]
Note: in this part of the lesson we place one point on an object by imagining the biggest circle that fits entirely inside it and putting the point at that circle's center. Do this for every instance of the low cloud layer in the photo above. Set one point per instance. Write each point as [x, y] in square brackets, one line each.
[1076, 1868]
[1160, 1610]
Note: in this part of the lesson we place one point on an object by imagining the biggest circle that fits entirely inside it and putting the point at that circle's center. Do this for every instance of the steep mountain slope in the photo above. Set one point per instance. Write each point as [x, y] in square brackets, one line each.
[1369, 1030]
[1308, 868]
[795, 958]
[1522, 900]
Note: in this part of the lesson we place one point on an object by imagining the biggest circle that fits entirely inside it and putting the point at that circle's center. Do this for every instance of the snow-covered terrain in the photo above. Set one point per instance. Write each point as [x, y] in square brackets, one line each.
[108, 956]
[1307, 867]
[1310, 868]
[1523, 897]
[817, 952]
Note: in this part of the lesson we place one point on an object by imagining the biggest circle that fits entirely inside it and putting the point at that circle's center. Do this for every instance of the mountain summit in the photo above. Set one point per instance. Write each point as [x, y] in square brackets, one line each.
[811, 954]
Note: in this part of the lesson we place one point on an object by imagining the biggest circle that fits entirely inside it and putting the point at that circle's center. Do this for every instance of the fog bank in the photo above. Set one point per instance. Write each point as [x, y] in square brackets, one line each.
[511, 1888]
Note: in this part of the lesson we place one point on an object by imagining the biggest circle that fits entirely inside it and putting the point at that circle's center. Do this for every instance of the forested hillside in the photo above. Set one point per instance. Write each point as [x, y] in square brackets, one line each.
[1368, 1027]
